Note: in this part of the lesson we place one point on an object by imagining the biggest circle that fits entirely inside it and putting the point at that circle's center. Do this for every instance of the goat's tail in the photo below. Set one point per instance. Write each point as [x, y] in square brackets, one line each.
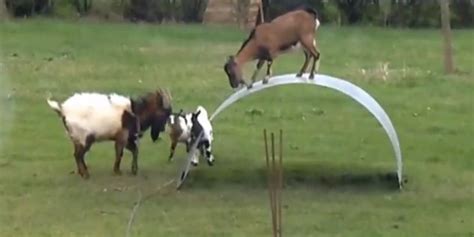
[311, 11]
[317, 24]
[55, 106]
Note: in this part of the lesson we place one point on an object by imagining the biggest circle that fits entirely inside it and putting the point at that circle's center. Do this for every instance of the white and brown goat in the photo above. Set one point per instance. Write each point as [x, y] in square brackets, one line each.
[266, 41]
[93, 117]
[186, 128]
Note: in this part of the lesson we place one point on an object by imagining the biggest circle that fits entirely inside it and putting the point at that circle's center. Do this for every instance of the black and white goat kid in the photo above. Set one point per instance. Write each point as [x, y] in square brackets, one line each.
[186, 128]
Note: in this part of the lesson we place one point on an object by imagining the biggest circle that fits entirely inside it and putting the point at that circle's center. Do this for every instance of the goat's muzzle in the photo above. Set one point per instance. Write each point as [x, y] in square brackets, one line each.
[232, 71]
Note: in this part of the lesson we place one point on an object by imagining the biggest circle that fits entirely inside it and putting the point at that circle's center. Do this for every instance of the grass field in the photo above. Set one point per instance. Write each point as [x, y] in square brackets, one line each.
[336, 155]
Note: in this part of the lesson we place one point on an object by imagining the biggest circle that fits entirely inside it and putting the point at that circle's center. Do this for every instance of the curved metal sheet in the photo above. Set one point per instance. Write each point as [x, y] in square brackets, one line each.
[343, 86]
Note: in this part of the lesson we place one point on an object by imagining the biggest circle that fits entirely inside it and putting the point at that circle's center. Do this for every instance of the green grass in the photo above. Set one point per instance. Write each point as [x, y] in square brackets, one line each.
[336, 155]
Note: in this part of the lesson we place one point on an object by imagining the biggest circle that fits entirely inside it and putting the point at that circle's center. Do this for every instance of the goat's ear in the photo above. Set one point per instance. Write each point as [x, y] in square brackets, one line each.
[197, 114]
[230, 58]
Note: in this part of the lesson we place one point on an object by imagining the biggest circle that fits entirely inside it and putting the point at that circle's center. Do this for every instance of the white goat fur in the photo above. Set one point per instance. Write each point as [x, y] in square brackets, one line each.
[203, 119]
[92, 113]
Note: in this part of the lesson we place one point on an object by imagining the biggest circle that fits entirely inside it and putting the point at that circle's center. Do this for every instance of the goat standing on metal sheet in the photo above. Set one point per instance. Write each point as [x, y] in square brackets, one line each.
[185, 128]
[268, 40]
[93, 117]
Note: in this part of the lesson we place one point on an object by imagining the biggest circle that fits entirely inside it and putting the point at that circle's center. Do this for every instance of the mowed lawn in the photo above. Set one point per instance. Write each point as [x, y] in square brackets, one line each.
[338, 160]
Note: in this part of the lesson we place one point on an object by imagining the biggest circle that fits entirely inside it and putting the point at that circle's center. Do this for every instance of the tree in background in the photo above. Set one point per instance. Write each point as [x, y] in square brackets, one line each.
[446, 30]
[3, 10]
[83, 6]
[386, 7]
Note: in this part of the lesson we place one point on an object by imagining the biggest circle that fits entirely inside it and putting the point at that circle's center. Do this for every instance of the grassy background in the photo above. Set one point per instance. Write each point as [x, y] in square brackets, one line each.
[336, 155]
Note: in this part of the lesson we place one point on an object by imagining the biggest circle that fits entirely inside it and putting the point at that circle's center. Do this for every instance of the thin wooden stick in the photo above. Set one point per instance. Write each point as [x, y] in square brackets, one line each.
[269, 176]
[274, 187]
[132, 214]
[280, 182]
[140, 200]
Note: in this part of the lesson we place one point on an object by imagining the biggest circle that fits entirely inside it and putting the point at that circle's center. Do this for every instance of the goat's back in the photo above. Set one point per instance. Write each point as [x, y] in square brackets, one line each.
[286, 29]
[180, 127]
[203, 119]
[98, 114]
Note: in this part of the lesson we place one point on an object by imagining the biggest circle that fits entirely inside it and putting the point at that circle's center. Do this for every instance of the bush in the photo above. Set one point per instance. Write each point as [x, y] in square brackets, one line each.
[22, 8]
[166, 10]
[400, 13]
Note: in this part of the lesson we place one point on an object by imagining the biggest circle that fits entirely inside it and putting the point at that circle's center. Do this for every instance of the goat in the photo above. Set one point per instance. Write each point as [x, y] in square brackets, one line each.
[180, 131]
[185, 128]
[94, 117]
[268, 40]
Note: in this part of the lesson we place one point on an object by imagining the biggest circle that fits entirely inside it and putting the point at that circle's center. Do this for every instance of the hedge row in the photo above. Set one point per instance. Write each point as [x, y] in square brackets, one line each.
[405, 13]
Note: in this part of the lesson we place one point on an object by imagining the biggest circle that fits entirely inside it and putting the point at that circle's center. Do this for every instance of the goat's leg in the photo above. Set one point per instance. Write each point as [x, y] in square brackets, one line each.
[310, 44]
[134, 149]
[188, 147]
[305, 64]
[269, 71]
[172, 148]
[195, 157]
[255, 73]
[78, 155]
[118, 157]
[313, 66]
[89, 141]
[135, 161]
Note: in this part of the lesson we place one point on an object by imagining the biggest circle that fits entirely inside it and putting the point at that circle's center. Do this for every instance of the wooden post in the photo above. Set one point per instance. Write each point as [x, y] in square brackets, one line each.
[447, 37]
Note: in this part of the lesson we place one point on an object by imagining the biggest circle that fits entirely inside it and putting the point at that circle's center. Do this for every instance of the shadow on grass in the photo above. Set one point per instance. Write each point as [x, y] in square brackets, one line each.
[294, 175]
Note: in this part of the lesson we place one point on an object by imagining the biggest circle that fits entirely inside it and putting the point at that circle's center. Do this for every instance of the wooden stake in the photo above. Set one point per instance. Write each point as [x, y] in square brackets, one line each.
[274, 186]
[269, 177]
[280, 182]
[275, 180]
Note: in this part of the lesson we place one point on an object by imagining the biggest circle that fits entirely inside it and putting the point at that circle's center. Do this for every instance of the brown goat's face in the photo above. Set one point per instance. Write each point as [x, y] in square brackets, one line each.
[233, 72]
[159, 118]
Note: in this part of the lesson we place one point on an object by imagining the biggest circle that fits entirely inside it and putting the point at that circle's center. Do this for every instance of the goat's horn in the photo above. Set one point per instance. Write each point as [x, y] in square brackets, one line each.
[165, 98]
[169, 95]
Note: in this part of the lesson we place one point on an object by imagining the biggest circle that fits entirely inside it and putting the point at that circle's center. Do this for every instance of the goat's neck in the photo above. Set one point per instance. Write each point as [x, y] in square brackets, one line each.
[140, 109]
[245, 55]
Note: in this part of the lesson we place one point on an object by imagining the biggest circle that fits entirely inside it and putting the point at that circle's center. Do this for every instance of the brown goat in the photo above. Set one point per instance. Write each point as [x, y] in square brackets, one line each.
[93, 117]
[268, 40]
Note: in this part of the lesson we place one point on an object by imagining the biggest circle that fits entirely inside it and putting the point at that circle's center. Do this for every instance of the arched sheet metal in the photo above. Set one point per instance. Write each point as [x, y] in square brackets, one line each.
[343, 86]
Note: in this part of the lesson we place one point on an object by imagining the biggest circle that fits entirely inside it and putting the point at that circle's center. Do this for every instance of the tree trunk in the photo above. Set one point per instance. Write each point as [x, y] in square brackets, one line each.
[3, 10]
[446, 31]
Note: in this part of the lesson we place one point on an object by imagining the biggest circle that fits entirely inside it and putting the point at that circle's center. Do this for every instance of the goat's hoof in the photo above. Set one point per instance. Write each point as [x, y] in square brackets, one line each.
[249, 86]
[265, 81]
[117, 172]
[210, 163]
[134, 171]
[85, 175]
[311, 76]
[299, 75]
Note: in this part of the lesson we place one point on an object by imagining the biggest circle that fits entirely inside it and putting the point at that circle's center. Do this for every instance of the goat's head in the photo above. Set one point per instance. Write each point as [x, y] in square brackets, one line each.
[196, 129]
[233, 72]
[153, 110]
[162, 113]
[172, 119]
